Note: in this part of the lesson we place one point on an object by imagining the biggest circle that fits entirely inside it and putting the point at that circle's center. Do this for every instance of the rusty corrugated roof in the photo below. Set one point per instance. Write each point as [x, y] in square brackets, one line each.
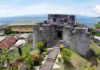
[98, 29]
[8, 42]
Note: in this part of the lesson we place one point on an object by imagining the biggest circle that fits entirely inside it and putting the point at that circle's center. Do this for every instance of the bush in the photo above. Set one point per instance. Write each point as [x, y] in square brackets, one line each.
[90, 68]
[66, 55]
[61, 47]
[20, 51]
[91, 53]
[40, 46]
[8, 31]
[93, 32]
[36, 57]
[98, 25]
[98, 56]
[29, 61]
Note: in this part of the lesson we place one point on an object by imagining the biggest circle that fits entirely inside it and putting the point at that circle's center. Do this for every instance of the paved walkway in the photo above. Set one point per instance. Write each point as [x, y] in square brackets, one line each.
[48, 65]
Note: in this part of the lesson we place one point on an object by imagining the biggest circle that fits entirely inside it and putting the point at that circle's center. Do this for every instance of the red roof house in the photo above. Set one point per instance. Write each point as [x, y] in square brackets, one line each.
[8, 42]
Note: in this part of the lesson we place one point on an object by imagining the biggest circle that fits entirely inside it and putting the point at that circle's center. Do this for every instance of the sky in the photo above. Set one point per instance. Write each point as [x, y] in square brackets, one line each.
[9, 8]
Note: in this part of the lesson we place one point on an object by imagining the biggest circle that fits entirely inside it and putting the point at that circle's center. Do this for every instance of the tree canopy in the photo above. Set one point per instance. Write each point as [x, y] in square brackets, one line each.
[98, 25]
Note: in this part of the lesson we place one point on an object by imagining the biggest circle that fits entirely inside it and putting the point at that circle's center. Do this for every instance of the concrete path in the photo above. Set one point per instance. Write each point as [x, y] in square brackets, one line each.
[48, 65]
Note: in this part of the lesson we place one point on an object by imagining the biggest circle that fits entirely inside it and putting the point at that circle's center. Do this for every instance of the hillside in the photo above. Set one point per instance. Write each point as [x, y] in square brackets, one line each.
[89, 21]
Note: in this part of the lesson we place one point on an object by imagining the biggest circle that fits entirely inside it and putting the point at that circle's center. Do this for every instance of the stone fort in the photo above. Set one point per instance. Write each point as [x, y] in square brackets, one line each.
[62, 27]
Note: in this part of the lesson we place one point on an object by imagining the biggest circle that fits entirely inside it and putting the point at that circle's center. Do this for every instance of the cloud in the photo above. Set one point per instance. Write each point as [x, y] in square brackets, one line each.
[38, 9]
[97, 9]
[6, 11]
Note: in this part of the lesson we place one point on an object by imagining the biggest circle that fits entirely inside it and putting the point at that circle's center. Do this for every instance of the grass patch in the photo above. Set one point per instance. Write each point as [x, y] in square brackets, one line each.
[16, 55]
[76, 63]
[97, 34]
[95, 47]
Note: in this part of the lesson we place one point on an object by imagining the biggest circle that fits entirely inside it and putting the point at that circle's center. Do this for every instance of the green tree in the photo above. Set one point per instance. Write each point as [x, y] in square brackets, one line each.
[93, 32]
[61, 47]
[40, 46]
[98, 25]
[4, 58]
[20, 51]
[8, 31]
[29, 61]
[66, 55]
[36, 57]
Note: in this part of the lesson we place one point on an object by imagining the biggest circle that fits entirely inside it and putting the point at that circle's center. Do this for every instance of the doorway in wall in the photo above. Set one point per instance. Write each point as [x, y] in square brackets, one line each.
[59, 34]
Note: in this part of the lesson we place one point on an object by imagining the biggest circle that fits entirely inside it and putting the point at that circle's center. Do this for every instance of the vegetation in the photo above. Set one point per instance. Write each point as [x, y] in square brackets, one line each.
[66, 55]
[95, 47]
[5, 58]
[8, 31]
[93, 32]
[98, 25]
[97, 34]
[29, 61]
[40, 46]
[77, 62]
[61, 47]
[90, 68]
[36, 57]
[31, 57]
[20, 51]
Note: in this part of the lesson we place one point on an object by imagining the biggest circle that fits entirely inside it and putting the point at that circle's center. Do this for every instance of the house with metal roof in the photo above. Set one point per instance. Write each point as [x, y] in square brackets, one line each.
[8, 42]
[2, 29]
[21, 27]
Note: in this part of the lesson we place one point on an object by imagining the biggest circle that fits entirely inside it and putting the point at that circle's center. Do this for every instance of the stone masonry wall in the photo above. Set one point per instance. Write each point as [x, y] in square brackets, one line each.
[47, 34]
[78, 42]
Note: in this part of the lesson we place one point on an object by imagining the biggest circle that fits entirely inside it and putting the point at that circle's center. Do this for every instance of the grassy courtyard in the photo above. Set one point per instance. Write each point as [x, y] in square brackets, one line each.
[78, 62]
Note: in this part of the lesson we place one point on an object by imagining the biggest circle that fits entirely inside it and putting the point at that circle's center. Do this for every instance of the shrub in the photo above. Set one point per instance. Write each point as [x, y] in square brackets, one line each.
[98, 56]
[93, 32]
[98, 25]
[91, 53]
[36, 57]
[61, 47]
[8, 31]
[66, 55]
[90, 68]
[29, 61]
[40, 46]
[20, 51]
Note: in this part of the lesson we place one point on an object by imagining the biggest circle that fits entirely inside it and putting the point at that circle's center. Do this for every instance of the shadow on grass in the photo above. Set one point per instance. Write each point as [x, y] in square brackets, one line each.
[69, 66]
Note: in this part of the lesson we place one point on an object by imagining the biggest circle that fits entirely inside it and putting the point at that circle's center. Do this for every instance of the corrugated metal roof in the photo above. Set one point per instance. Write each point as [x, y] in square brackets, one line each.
[3, 27]
[98, 29]
[25, 35]
[2, 38]
[8, 42]
[20, 42]
[22, 24]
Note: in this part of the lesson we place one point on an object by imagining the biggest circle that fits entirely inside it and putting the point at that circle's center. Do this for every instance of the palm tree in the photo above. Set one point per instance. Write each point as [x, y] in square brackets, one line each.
[20, 51]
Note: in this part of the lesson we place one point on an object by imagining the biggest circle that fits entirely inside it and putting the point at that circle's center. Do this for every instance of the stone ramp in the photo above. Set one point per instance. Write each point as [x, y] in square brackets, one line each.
[48, 65]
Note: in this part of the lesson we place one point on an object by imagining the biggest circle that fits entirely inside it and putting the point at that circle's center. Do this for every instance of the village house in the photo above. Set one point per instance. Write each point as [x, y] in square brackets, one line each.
[98, 30]
[2, 29]
[21, 27]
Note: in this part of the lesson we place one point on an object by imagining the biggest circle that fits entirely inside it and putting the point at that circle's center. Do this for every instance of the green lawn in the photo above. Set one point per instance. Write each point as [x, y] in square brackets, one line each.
[97, 34]
[76, 63]
[95, 47]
